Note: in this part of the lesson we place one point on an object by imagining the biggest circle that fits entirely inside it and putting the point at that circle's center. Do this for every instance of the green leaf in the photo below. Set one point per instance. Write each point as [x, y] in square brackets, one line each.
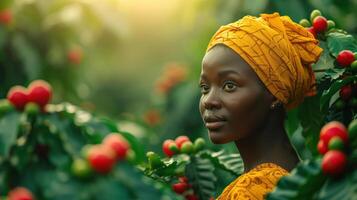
[335, 73]
[343, 188]
[326, 61]
[132, 179]
[294, 130]
[201, 176]
[302, 183]
[232, 163]
[338, 41]
[292, 122]
[9, 124]
[312, 120]
[335, 87]
[168, 170]
[298, 142]
[71, 137]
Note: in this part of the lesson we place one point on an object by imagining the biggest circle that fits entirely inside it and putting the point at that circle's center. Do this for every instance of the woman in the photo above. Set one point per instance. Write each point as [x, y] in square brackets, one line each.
[253, 71]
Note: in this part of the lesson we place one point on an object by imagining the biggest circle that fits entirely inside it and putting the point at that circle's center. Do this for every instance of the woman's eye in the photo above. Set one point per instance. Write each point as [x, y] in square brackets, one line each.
[204, 88]
[229, 87]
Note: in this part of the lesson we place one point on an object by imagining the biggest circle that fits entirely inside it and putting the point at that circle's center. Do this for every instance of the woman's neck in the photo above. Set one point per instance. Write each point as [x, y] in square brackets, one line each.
[270, 145]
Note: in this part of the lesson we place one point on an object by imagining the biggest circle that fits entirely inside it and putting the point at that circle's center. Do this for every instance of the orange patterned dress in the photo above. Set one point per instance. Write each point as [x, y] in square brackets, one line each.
[255, 184]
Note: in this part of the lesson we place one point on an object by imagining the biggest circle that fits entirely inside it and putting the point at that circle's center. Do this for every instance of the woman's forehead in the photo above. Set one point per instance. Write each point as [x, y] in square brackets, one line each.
[223, 56]
[218, 55]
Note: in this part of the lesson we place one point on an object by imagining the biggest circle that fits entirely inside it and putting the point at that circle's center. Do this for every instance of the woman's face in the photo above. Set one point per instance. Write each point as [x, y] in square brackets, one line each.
[234, 102]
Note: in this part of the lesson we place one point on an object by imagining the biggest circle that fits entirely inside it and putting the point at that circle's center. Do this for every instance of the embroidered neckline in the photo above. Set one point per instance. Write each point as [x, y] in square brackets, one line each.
[266, 165]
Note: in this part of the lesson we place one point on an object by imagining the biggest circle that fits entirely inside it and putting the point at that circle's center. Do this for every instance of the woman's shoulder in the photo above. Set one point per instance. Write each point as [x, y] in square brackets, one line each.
[254, 184]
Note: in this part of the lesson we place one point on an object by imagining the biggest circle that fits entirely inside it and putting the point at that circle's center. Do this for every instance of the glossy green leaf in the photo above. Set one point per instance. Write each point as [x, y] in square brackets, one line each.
[335, 73]
[312, 120]
[302, 183]
[326, 61]
[339, 41]
[9, 124]
[335, 87]
[339, 188]
[201, 176]
[232, 163]
[171, 168]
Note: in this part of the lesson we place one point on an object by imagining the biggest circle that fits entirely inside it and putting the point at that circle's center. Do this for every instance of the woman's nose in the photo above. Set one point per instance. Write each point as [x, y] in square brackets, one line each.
[211, 100]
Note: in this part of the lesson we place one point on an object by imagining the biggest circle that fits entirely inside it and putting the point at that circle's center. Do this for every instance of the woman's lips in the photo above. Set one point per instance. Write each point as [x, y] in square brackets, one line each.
[215, 125]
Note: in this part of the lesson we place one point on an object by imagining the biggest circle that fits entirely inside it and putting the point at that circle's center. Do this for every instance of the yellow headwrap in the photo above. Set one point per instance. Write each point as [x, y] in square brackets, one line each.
[279, 51]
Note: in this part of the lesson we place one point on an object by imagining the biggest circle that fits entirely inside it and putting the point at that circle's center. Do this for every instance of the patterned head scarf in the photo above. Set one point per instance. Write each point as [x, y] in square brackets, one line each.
[278, 50]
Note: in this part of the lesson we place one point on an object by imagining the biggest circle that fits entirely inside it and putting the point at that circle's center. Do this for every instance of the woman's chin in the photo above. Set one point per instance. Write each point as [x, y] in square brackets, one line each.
[217, 137]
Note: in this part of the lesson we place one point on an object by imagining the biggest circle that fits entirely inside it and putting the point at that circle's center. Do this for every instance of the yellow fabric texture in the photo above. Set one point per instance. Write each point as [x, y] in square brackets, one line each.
[279, 51]
[255, 184]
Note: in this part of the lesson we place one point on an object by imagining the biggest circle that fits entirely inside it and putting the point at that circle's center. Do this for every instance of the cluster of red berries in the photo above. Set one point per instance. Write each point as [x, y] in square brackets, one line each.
[183, 187]
[20, 193]
[182, 144]
[334, 140]
[102, 157]
[317, 24]
[5, 16]
[347, 58]
[38, 93]
[348, 96]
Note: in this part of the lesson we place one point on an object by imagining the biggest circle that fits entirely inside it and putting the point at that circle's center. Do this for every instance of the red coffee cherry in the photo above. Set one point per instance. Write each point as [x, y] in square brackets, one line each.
[118, 144]
[322, 147]
[180, 188]
[101, 158]
[332, 129]
[333, 162]
[20, 193]
[180, 140]
[345, 58]
[18, 97]
[40, 92]
[166, 147]
[320, 24]
[346, 92]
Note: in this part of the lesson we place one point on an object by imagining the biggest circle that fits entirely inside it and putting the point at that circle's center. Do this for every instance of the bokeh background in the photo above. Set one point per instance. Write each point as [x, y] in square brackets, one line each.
[125, 44]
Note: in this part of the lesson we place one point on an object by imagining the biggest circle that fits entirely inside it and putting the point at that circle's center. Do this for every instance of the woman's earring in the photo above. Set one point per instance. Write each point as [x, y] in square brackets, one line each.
[275, 104]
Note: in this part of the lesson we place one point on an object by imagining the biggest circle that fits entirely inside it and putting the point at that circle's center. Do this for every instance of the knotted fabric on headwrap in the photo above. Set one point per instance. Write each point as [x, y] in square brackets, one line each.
[279, 51]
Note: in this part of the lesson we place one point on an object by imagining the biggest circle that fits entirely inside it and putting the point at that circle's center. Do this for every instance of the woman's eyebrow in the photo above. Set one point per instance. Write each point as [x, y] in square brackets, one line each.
[228, 71]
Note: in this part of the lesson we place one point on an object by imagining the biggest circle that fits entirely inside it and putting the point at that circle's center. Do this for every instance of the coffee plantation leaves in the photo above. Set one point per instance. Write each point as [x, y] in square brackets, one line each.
[232, 163]
[335, 87]
[302, 182]
[325, 61]
[311, 121]
[9, 124]
[339, 41]
[339, 188]
[170, 168]
[201, 176]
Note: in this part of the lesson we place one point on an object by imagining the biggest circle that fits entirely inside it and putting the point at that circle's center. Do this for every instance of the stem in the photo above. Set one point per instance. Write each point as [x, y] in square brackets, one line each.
[321, 70]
